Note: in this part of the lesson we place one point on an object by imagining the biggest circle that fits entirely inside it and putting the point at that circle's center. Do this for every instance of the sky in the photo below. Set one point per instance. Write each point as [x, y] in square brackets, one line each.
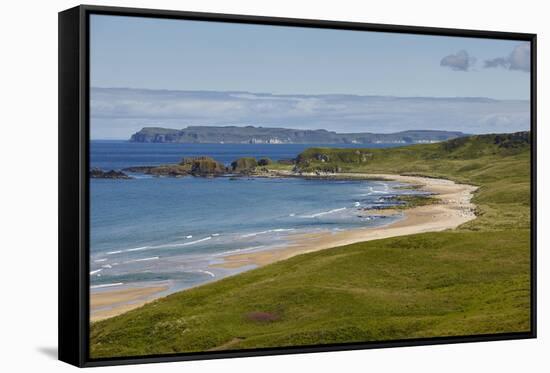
[177, 73]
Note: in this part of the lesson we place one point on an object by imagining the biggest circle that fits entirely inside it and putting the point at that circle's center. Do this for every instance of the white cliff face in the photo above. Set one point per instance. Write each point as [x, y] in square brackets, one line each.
[272, 140]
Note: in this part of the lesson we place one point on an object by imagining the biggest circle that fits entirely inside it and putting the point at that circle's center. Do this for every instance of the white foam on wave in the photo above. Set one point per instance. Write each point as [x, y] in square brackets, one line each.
[186, 243]
[107, 266]
[143, 259]
[140, 176]
[267, 231]
[124, 251]
[239, 250]
[106, 285]
[372, 191]
[357, 204]
[169, 245]
[100, 260]
[206, 272]
[215, 234]
[96, 271]
[324, 213]
[189, 236]
[138, 248]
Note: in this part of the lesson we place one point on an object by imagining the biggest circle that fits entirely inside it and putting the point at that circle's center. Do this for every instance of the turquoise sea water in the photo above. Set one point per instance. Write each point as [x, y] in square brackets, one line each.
[173, 229]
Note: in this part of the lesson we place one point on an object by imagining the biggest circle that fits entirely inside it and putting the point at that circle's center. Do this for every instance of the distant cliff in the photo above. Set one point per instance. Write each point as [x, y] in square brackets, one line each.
[265, 135]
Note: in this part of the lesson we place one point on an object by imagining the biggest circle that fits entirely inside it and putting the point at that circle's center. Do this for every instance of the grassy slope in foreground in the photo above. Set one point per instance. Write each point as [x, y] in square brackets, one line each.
[472, 280]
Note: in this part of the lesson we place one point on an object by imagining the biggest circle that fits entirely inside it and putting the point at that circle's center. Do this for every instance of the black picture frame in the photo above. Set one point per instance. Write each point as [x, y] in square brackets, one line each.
[74, 182]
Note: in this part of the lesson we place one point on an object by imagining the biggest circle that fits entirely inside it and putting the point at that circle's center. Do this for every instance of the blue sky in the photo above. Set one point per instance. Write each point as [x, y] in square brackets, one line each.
[161, 54]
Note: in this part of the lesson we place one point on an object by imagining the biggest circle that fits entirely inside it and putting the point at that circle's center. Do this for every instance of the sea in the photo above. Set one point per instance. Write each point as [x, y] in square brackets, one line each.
[149, 230]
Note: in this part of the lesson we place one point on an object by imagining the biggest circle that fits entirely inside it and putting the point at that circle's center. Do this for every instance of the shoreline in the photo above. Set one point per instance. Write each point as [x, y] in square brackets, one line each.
[454, 208]
[106, 304]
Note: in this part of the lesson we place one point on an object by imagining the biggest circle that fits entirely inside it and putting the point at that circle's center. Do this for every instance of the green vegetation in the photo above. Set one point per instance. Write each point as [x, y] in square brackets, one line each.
[281, 166]
[471, 280]
[243, 165]
[203, 165]
[196, 166]
[414, 201]
[498, 164]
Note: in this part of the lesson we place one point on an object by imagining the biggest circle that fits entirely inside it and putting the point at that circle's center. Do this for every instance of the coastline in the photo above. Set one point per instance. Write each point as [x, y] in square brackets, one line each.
[105, 304]
[453, 209]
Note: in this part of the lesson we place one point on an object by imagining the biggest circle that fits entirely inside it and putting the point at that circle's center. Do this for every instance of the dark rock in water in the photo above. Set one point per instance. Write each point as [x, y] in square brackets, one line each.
[264, 162]
[244, 165]
[139, 169]
[98, 173]
[163, 170]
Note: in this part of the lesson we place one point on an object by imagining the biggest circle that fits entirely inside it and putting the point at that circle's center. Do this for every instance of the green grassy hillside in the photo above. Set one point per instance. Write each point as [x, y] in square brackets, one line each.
[472, 280]
[499, 164]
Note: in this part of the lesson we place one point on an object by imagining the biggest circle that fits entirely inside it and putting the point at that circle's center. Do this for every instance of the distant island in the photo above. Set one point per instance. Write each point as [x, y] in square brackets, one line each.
[266, 135]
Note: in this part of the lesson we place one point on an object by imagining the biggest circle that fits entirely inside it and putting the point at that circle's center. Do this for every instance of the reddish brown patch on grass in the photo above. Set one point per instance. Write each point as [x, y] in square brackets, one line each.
[262, 317]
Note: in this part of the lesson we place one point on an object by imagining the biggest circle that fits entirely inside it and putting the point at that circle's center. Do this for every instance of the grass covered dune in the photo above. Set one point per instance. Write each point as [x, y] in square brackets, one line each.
[471, 280]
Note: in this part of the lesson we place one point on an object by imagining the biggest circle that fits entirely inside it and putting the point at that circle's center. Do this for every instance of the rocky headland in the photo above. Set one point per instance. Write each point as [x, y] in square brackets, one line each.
[98, 173]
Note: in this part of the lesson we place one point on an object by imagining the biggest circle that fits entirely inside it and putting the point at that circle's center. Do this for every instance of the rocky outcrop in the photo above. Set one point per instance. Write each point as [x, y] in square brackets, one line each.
[264, 162]
[203, 166]
[244, 165]
[98, 173]
[208, 166]
[196, 166]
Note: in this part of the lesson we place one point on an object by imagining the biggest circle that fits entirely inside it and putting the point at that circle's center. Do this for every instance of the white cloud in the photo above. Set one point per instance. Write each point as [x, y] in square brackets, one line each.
[460, 61]
[519, 59]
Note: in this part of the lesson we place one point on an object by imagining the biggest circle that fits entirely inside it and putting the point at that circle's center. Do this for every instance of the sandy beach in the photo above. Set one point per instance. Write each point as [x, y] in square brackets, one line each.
[454, 208]
[105, 304]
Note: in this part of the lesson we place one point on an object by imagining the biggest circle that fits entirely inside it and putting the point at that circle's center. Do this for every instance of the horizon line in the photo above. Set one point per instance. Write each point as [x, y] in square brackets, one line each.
[304, 94]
